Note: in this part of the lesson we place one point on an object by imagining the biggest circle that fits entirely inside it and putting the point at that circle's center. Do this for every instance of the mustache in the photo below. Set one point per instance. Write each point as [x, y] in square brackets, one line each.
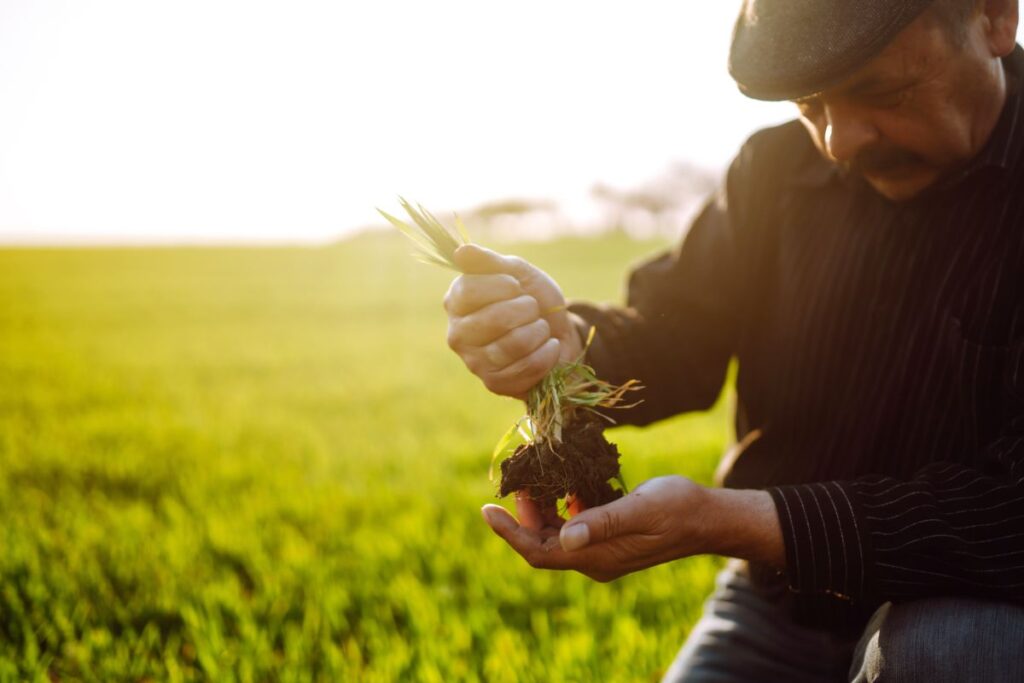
[879, 159]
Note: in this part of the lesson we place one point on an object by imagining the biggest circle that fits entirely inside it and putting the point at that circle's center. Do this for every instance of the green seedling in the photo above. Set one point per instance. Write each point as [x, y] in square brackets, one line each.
[571, 391]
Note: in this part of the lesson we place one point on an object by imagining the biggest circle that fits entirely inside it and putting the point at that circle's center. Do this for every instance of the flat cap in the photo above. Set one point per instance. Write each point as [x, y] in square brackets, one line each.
[788, 49]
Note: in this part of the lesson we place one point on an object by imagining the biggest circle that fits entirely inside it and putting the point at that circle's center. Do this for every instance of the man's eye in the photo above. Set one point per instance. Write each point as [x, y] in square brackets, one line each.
[886, 99]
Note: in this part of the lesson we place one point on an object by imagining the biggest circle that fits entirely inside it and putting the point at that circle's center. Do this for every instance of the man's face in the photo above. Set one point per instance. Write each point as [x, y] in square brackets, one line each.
[919, 110]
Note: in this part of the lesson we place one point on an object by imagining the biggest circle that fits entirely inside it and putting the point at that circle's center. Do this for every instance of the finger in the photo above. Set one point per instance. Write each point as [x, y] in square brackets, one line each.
[574, 505]
[521, 376]
[469, 293]
[599, 524]
[541, 518]
[474, 259]
[516, 344]
[538, 552]
[552, 519]
[523, 540]
[528, 511]
[492, 322]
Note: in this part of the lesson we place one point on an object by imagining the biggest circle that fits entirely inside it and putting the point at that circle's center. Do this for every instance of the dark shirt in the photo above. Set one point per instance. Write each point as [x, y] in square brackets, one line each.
[880, 349]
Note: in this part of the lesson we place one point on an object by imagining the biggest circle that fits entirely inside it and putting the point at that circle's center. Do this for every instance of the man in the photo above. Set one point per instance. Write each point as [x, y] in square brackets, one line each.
[869, 278]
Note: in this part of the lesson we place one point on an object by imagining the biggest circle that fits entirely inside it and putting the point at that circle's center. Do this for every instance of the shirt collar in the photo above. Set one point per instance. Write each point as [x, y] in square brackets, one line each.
[1002, 151]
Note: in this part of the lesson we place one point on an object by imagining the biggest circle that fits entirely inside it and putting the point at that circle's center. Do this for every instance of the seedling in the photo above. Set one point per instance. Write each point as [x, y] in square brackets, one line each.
[560, 448]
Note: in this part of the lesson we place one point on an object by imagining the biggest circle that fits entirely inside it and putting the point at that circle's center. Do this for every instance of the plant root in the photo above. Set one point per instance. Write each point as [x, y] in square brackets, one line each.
[582, 465]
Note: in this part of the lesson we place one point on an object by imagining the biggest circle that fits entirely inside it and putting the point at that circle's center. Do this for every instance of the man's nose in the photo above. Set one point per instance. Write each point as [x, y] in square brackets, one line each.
[847, 132]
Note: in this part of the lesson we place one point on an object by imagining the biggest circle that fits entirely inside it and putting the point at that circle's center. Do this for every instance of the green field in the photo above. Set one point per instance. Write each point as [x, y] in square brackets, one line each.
[265, 464]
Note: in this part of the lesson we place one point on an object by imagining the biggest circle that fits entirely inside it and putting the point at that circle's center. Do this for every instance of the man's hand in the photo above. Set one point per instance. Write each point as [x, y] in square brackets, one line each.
[663, 519]
[507, 321]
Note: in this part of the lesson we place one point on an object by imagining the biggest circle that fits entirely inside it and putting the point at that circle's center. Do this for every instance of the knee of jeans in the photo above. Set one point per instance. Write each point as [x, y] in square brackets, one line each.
[947, 639]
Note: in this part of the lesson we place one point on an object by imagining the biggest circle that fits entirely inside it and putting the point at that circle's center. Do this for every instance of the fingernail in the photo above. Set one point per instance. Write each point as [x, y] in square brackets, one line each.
[491, 516]
[574, 536]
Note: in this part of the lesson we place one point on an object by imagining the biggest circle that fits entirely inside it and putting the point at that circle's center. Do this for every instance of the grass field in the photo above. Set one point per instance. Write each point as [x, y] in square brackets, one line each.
[265, 464]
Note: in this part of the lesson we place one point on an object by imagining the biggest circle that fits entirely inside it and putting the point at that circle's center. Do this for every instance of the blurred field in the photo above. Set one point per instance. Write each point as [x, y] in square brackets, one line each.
[265, 464]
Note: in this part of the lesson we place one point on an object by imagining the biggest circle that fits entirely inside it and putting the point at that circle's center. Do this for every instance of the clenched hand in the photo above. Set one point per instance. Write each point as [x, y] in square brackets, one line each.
[507, 321]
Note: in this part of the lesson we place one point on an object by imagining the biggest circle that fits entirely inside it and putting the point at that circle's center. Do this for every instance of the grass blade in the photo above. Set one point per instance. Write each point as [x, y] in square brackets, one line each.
[435, 243]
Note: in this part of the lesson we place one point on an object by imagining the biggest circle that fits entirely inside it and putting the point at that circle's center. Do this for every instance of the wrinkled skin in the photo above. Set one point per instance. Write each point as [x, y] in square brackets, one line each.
[507, 321]
[916, 113]
[663, 519]
[921, 109]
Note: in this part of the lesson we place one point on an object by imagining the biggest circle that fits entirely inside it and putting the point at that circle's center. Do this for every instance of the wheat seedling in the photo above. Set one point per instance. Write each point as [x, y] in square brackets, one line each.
[570, 391]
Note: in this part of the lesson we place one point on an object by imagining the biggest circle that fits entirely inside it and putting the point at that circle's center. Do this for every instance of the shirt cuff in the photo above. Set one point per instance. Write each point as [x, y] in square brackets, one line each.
[825, 545]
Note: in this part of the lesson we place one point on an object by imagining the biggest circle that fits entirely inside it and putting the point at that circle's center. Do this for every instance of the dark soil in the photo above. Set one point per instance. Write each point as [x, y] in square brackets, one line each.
[581, 466]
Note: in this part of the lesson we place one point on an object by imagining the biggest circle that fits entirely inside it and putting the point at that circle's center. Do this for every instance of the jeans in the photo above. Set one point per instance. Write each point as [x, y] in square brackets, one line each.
[746, 636]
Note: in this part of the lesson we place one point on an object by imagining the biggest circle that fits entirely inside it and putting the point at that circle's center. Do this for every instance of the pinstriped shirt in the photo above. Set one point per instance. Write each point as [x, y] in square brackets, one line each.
[880, 347]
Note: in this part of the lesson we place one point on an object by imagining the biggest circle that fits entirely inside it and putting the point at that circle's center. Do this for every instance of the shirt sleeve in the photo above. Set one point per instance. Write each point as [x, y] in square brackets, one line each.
[679, 327]
[951, 529]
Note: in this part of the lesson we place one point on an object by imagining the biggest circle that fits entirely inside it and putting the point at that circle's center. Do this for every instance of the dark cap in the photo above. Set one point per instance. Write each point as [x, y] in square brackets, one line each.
[788, 49]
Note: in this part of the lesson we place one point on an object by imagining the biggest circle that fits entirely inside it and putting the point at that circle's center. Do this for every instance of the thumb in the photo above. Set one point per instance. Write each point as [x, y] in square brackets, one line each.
[596, 525]
[477, 260]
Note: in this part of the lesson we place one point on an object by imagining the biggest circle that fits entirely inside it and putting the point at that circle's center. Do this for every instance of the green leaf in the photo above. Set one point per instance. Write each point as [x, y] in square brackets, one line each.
[435, 243]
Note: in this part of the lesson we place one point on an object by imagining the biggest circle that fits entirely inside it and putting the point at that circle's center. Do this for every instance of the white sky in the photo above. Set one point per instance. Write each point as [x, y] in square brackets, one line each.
[239, 120]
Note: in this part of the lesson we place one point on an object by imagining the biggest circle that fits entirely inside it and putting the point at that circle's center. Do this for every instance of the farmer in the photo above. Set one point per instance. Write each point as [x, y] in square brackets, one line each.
[865, 266]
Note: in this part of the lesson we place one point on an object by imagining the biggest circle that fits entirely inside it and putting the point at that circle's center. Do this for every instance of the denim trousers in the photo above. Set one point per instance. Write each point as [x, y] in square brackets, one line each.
[744, 636]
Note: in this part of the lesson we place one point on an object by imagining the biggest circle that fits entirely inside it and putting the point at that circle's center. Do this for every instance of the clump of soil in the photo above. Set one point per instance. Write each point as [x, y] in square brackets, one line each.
[581, 466]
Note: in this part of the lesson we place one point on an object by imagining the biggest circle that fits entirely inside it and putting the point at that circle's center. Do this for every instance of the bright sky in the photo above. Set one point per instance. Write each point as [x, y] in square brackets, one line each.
[227, 120]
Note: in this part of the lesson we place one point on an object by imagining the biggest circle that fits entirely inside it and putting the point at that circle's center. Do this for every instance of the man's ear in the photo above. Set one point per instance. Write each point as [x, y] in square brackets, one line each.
[1001, 18]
